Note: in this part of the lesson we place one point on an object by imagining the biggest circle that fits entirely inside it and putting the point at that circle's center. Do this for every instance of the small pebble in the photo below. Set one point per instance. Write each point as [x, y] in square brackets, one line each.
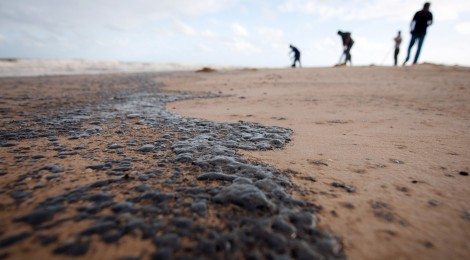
[396, 161]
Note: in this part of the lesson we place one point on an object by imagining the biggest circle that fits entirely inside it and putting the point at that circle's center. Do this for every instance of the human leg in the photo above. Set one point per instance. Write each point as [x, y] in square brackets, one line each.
[297, 59]
[418, 51]
[348, 55]
[412, 42]
[395, 56]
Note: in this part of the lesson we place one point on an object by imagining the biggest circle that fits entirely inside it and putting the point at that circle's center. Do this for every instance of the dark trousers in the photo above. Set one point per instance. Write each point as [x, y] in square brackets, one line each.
[296, 59]
[414, 37]
[347, 53]
[395, 56]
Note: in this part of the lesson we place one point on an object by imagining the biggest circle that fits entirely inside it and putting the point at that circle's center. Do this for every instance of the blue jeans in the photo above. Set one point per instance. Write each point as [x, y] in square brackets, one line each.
[414, 37]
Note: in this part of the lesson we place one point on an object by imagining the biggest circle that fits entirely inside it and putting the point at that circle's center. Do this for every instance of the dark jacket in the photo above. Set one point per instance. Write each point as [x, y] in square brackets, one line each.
[347, 40]
[421, 22]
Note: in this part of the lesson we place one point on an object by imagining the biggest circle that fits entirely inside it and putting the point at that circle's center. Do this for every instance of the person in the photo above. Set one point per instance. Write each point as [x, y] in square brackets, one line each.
[397, 46]
[296, 55]
[421, 20]
[347, 45]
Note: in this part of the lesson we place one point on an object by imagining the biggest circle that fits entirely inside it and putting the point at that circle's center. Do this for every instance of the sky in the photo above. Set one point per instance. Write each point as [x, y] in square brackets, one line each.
[252, 33]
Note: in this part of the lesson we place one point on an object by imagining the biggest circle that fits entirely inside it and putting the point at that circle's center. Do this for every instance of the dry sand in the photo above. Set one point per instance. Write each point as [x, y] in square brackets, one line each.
[398, 136]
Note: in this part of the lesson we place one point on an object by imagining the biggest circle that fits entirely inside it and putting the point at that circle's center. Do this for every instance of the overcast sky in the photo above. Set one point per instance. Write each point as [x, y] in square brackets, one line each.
[228, 32]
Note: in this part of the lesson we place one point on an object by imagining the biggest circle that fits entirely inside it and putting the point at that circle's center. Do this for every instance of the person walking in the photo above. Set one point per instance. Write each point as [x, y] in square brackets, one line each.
[421, 20]
[296, 55]
[347, 45]
[397, 47]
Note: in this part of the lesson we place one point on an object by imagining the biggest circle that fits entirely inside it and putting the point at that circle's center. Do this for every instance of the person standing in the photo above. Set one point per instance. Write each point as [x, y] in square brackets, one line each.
[296, 55]
[347, 45]
[421, 20]
[397, 46]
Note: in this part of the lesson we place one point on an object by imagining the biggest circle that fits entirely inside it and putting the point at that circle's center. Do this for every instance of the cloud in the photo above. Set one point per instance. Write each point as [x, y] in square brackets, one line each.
[118, 14]
[209, 34]
[325, 43]
[95, 27]
[369, 51]
[120, 42]
[350, 10]
[271, 33]
[463, 28]
[184, 28]
[204, 48]
[241, 46]
[450, 10]
[360, 10]
[239, 30]
[365, 45]
[272, 37]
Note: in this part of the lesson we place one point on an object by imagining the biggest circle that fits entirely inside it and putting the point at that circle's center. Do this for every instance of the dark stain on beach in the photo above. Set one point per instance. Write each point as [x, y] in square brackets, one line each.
[184, 187]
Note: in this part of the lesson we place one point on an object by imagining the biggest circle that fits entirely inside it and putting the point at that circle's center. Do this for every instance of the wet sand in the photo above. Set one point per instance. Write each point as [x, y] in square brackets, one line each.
[384, 151]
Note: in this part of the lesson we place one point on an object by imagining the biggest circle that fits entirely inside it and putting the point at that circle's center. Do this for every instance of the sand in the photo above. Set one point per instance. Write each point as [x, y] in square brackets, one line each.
[382, 151]
[94, 166]
[398, 136]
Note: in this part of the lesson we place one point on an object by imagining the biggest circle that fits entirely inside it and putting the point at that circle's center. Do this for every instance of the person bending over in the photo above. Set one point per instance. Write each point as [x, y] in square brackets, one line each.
[347, 45]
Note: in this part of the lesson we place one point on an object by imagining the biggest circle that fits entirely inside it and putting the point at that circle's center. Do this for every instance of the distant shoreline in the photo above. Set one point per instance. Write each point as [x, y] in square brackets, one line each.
[12, 67]
[15, 67]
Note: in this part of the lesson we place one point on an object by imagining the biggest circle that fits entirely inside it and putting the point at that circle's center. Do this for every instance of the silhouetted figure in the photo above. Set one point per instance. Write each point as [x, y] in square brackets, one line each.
[296, 55]
[418, 26]
[397, 47]
[347, 45]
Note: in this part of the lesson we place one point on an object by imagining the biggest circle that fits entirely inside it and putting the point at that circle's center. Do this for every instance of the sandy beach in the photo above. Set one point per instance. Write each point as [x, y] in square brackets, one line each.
[358, 163]
[398, 136]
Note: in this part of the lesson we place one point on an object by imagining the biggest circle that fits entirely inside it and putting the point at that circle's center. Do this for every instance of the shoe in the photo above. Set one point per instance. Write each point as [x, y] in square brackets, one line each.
[404, 63]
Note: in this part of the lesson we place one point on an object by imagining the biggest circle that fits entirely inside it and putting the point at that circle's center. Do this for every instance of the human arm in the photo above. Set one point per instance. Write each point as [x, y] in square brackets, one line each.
[413, 22]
